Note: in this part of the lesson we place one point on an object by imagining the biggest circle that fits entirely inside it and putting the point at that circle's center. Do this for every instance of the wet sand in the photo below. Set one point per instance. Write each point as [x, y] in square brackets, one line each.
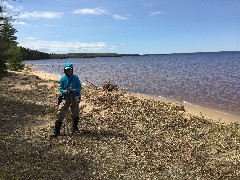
[44, 75]
[196, 110]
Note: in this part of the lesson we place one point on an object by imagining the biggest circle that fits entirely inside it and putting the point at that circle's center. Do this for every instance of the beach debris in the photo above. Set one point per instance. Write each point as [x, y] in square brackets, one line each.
[122, 137]
[109, 86]
[178, 107]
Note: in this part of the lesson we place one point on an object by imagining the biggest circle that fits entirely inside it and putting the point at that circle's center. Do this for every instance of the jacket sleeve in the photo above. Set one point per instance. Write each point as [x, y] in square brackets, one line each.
[78, 86]
[62, 88]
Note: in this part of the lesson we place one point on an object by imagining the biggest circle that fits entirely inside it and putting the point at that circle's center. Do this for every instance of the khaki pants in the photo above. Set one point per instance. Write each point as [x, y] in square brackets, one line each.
[64, 106]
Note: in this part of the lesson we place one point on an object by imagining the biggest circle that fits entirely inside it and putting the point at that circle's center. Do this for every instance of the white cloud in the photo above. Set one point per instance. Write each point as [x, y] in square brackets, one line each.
[50, 25]
[98, 11]
[31, 38]
[40, 14]
[88, 11]
[113, 47]
[156, 13]
[10, 7]
[119, 17]
[63, 46]
[19, 22]
[11, 11]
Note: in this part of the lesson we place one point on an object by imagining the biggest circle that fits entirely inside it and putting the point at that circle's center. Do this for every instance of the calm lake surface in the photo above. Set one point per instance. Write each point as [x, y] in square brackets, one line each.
[207, 79]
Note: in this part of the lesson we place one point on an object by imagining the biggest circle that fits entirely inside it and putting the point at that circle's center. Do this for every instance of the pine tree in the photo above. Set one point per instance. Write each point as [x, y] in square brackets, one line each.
[10, 52]
[7, 36]
[3, 66]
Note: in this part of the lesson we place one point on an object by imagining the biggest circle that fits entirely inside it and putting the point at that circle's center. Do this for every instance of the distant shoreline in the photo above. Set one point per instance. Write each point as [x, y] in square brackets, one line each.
[89, 55]
[192, 53]
[93, 55]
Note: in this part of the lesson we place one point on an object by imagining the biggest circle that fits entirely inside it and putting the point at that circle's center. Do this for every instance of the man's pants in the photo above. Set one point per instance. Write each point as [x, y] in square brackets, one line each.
[64, 106]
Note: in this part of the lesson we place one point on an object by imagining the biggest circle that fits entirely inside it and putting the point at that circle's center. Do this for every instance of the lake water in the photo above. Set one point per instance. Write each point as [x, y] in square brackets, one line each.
[208, 79]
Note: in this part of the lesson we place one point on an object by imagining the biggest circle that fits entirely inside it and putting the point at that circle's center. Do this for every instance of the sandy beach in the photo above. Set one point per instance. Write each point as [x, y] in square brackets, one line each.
[191, 109]
[123, 135]
[196, 110]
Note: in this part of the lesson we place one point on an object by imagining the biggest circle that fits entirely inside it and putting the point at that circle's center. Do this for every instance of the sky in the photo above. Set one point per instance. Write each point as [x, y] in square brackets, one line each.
[127, 26]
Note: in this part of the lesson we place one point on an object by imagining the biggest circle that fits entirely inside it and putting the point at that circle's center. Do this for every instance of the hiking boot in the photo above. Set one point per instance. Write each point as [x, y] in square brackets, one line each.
[56, 131]
[75, 129]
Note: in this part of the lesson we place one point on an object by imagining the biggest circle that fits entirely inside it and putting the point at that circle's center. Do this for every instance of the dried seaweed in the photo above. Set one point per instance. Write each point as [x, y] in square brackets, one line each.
[122, 137]
[109, 86]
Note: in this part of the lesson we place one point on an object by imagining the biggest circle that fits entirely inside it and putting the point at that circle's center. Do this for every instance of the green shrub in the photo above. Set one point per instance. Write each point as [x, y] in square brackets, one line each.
[14, 59]
[3, 66]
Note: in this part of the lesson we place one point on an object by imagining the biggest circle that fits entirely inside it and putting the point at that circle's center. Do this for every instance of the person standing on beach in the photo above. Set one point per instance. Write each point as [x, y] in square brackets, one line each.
[70, 87]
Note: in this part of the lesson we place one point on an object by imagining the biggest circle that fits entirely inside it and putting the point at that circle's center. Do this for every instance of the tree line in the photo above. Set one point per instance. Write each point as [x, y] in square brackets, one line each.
[12, 55]
[28, 54]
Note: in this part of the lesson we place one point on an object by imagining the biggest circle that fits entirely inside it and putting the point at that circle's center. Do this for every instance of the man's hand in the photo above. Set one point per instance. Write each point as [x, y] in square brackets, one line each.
[70, 90]
[66, 92]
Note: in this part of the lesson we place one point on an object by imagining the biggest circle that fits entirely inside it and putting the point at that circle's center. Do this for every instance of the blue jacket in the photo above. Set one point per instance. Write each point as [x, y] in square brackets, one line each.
[75, 83]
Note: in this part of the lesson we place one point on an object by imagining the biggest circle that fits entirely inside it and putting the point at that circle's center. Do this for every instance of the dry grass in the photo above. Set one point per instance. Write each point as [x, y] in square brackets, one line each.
[122, 137]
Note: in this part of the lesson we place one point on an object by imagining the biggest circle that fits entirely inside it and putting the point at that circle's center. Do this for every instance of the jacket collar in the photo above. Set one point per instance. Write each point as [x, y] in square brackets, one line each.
[69, 76]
